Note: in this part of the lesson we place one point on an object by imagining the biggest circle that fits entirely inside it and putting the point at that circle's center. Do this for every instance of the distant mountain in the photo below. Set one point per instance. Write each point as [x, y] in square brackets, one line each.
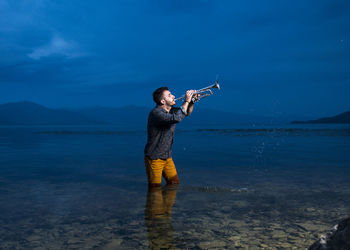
[341, 118]
[214, 117]
[128, 115]
[29, 113]
[135, 115]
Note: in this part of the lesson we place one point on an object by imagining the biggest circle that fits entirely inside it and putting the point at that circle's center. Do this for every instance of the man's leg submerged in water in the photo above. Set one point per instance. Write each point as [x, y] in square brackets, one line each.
[155, 169]
[170, 173]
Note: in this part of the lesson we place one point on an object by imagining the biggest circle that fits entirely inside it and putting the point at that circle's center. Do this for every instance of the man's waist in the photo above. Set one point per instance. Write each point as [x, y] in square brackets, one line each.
[163, 159]
[158, 155]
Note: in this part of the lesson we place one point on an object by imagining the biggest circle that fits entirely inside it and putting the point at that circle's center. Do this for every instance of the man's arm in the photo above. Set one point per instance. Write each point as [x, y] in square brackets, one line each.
[191, 104]
[190, 108]
[163, 118]
[188, 104]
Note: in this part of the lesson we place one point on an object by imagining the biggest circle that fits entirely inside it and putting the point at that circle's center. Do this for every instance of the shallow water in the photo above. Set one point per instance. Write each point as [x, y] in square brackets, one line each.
[258, 187]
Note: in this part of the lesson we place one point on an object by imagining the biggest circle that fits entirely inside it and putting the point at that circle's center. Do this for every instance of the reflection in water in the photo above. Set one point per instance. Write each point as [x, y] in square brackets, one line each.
[158, 210]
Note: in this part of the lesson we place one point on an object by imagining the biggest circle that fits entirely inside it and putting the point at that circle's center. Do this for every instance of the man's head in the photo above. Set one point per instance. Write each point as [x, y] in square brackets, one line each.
[162, 96]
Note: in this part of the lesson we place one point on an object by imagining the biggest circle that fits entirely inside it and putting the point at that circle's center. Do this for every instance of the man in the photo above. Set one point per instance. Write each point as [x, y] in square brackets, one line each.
[160, 129]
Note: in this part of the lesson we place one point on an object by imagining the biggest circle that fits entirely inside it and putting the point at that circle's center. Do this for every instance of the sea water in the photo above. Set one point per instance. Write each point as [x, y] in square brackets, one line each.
[243, 187]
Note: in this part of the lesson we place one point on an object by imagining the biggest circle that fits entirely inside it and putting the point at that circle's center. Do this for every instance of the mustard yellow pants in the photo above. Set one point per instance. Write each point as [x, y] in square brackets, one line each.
[155, 169]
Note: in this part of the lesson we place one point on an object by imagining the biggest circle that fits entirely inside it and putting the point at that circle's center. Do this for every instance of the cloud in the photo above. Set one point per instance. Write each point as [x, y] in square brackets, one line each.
[57, 46]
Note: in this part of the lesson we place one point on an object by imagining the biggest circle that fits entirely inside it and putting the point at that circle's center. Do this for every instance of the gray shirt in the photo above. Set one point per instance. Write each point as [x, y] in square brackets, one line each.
[160, 132]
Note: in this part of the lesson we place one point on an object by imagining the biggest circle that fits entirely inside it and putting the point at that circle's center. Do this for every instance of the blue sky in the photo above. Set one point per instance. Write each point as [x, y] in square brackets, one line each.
[272, 57]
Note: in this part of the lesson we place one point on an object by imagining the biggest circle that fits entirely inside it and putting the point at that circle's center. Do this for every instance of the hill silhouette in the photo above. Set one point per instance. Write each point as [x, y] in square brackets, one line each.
[128, 115]
[29, 113]
[340, 118]
[136, 115]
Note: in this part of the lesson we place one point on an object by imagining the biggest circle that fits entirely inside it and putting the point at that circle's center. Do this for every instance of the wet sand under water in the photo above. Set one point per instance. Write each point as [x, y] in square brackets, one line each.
[46, 215]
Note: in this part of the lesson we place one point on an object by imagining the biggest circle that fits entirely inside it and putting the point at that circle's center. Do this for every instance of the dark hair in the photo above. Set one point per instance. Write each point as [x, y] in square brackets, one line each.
[158, 94]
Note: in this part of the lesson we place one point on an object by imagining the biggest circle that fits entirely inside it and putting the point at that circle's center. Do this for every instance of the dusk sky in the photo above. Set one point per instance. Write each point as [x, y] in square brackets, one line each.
[271, 57]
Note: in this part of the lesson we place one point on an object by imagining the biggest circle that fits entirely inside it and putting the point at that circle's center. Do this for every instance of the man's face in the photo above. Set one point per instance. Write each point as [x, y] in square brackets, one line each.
[168, 98]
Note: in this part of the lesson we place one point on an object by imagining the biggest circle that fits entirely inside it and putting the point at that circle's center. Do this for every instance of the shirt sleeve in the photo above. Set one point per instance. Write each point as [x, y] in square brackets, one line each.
[163, 117]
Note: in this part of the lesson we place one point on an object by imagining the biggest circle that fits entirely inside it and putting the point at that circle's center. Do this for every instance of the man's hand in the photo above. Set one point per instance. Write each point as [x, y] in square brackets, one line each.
[195, 97]
[188, 103]
[189, 94]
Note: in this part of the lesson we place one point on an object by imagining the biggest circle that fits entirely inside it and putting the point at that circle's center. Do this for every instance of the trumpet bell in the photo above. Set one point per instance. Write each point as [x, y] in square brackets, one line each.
[217, 85]
[214, 86]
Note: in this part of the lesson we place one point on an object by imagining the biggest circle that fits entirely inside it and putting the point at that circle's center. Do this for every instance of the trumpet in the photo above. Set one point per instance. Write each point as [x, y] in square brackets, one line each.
[201, 93]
